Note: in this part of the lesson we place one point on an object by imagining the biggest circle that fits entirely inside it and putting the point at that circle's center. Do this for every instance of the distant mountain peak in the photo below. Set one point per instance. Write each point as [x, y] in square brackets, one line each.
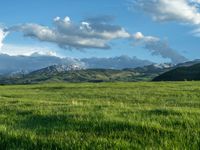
[65, 67]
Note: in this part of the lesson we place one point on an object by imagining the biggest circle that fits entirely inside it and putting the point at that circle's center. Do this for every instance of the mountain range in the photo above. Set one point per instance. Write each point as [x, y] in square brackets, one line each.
[43, 68]
[26, 64]
[73, 73]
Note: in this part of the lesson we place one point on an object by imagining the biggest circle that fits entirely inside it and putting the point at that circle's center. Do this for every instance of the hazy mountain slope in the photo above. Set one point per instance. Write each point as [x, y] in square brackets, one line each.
[188, 63]
[13, 64]
[120, 62]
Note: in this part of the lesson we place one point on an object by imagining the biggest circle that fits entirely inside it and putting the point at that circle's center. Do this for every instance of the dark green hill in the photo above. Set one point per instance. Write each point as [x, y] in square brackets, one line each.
[181, 74]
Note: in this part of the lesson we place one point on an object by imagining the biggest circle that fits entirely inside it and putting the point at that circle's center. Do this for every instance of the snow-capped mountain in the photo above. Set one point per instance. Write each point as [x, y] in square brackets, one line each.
[25, 64]
[62, 68]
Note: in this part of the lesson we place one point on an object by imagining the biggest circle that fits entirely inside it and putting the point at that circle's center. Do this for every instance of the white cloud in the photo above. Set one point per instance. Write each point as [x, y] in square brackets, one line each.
[184, 11]
[138, 36]
[69, 35]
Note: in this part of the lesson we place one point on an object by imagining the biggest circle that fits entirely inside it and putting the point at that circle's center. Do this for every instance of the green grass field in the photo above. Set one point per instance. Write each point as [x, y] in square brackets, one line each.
[100, 116]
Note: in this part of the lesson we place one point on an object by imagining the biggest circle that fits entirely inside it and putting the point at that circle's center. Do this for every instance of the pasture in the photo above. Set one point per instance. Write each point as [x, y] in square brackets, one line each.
[142, 115]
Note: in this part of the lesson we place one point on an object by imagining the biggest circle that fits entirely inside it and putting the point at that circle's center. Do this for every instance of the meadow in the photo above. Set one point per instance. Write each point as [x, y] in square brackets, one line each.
[140, 115]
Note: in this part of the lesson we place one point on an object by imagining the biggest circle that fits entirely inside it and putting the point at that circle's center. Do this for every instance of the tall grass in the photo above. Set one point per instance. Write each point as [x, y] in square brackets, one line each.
[100, 116]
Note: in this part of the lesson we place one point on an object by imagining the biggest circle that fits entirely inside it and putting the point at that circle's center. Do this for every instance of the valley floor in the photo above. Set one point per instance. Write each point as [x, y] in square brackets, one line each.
[139, 115]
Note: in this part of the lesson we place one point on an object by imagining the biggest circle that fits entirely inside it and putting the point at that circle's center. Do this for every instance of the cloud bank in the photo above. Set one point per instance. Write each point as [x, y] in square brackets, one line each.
[66, 34]
[162, 48]
[158, 47]
[27, 50]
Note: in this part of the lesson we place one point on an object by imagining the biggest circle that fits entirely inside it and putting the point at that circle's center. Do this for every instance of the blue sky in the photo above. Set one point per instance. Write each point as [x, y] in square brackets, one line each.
[175, 31]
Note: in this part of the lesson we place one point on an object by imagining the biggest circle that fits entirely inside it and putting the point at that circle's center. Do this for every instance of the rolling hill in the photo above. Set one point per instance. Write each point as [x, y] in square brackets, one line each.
[185, 73]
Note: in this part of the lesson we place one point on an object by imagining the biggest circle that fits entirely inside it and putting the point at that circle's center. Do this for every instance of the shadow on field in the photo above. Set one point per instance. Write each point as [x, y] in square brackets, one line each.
[163, 112]
[25, 142]
[47, 124]
[55, 88]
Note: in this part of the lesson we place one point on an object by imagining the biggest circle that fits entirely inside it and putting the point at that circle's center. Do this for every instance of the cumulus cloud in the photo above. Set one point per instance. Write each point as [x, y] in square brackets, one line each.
[158, 47]
[139, 37]
[67, 34]
[92, 33]
[2, 36]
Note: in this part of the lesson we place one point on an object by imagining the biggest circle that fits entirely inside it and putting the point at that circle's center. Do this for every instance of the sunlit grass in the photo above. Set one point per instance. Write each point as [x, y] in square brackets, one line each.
[100, 116]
